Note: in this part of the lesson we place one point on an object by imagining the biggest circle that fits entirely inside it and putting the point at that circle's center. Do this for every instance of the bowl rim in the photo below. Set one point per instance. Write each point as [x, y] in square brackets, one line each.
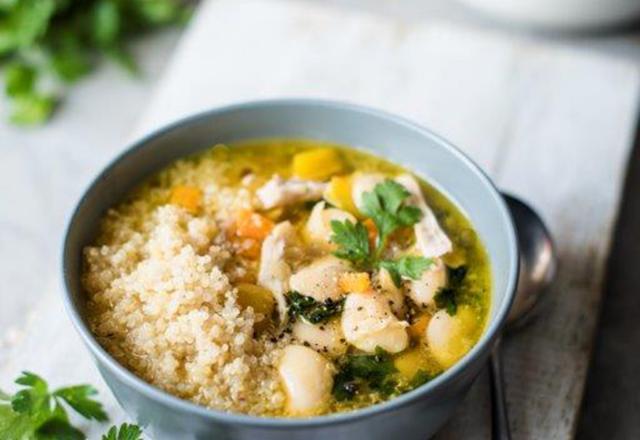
[431, 388]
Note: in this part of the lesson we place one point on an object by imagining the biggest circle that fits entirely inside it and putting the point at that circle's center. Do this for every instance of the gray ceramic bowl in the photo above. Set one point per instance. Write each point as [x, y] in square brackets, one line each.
[415, 415]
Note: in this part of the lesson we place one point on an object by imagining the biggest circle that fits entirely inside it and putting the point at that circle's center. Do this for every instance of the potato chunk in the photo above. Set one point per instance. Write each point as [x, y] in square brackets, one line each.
[318, 164]
[307, 377]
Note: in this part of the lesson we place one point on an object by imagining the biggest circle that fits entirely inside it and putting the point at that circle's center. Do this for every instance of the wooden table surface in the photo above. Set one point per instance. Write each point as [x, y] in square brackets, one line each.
[613, 391]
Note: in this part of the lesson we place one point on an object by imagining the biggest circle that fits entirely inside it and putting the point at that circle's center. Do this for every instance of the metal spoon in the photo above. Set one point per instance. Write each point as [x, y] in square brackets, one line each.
[537, 269]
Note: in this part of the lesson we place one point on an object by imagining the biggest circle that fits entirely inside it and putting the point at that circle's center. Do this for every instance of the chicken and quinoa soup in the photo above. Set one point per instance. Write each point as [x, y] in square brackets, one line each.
[286, 278]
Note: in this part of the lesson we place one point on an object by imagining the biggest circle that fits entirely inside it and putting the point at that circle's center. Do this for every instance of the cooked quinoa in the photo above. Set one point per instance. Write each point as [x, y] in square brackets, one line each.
[166, 276]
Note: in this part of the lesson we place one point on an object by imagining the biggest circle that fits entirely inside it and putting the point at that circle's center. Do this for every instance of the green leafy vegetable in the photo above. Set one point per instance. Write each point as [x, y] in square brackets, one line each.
[36, 413]
[124, 432]
[48, 42]
[311, 310]
[358, 371]
[352, 240]
[385, 206]
[420, 378]
[410, 267]
[447, 297]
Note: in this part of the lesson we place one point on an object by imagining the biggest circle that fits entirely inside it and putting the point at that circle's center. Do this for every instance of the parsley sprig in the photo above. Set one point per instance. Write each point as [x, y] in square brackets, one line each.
[56, 43]
[386, 206]
[36, 413]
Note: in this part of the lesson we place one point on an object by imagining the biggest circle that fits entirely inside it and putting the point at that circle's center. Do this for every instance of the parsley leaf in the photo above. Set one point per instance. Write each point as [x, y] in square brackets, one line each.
[357, 371]
[311, 310]
[447, 297]
[409, 266]
[79, 398]
[352, 240]
[34, 412]
[124, 432]
[385, 206]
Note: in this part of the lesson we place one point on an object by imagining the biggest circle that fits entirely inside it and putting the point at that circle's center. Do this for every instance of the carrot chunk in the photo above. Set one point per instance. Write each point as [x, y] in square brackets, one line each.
[189, 197]
[372, 232]
[250, 224]
[354, 282]
[418, 327]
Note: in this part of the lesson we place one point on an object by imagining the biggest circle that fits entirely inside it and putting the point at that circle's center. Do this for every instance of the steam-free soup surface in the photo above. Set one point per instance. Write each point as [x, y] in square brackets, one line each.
[286, 278]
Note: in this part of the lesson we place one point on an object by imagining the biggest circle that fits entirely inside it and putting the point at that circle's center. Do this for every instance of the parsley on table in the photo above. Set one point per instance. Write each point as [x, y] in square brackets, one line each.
[356, 371]
[124, 432]
[313, 311]
[34, 412]
[59, 42]
[447, 297]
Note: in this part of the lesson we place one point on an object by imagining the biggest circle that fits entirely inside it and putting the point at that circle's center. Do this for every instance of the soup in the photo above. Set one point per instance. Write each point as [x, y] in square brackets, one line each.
[286, 278]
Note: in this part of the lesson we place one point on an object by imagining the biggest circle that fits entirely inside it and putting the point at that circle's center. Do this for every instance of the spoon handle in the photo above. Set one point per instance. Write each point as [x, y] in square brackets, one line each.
[499, 417]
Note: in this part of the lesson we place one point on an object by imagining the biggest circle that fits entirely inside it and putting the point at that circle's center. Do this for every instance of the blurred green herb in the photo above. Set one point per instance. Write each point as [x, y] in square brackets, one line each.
[124, 432]
[45, 44]
[447, 297]
[313, 311]
[35, 412]
[357, 371]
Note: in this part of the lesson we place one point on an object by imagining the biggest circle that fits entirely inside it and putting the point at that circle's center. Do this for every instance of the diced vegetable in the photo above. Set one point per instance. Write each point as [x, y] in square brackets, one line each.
[189, 197]
[418, 327]
[338, 193]
[318, 164]
[250, 224]
[260, 300]
[355, 282]
[372, 232]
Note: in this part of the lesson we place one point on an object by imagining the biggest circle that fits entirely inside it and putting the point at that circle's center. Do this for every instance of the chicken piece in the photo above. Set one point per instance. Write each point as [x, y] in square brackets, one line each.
[318, 227]
[307, 377]
[320, 279]
[326, 338]
[423, 290]
[368, 322]
[280, 192]
[450, 337]
[362, 183]
[393, 294]
[274, 272]
[431, 240]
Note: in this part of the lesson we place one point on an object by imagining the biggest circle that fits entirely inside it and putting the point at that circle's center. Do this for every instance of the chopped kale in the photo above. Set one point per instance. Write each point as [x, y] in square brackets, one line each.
[311, 310]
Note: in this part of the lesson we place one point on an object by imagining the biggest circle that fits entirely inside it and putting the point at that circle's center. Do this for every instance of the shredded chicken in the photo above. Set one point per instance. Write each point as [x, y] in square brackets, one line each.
[431, 240]
[274, 271]
[281, 192]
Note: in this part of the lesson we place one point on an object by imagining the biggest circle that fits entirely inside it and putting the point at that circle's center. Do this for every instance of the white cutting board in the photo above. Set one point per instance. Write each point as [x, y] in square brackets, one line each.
[550, 124]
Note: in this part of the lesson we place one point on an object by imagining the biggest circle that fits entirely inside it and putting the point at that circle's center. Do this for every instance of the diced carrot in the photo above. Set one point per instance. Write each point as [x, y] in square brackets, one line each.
[354, 282]
[317, 164]
[372, 232]
[419, 326]
[189, 197]
[250, 224]
[248, 247]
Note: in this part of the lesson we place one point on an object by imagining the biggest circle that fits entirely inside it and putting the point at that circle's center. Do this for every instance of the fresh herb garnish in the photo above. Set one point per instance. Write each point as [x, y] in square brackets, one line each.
[420, 378]
[59, 42]
[409, 267]
[35, 412]
[447, 297]
[385, 205]
[311, 310]
[357, 371]
[353, 242]
[124, 432]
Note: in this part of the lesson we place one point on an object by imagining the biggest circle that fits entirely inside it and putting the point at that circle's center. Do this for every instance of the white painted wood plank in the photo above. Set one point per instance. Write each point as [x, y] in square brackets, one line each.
[550, 124]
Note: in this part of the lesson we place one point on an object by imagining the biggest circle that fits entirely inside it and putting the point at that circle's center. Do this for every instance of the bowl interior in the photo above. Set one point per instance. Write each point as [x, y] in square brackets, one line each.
[384, 135]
